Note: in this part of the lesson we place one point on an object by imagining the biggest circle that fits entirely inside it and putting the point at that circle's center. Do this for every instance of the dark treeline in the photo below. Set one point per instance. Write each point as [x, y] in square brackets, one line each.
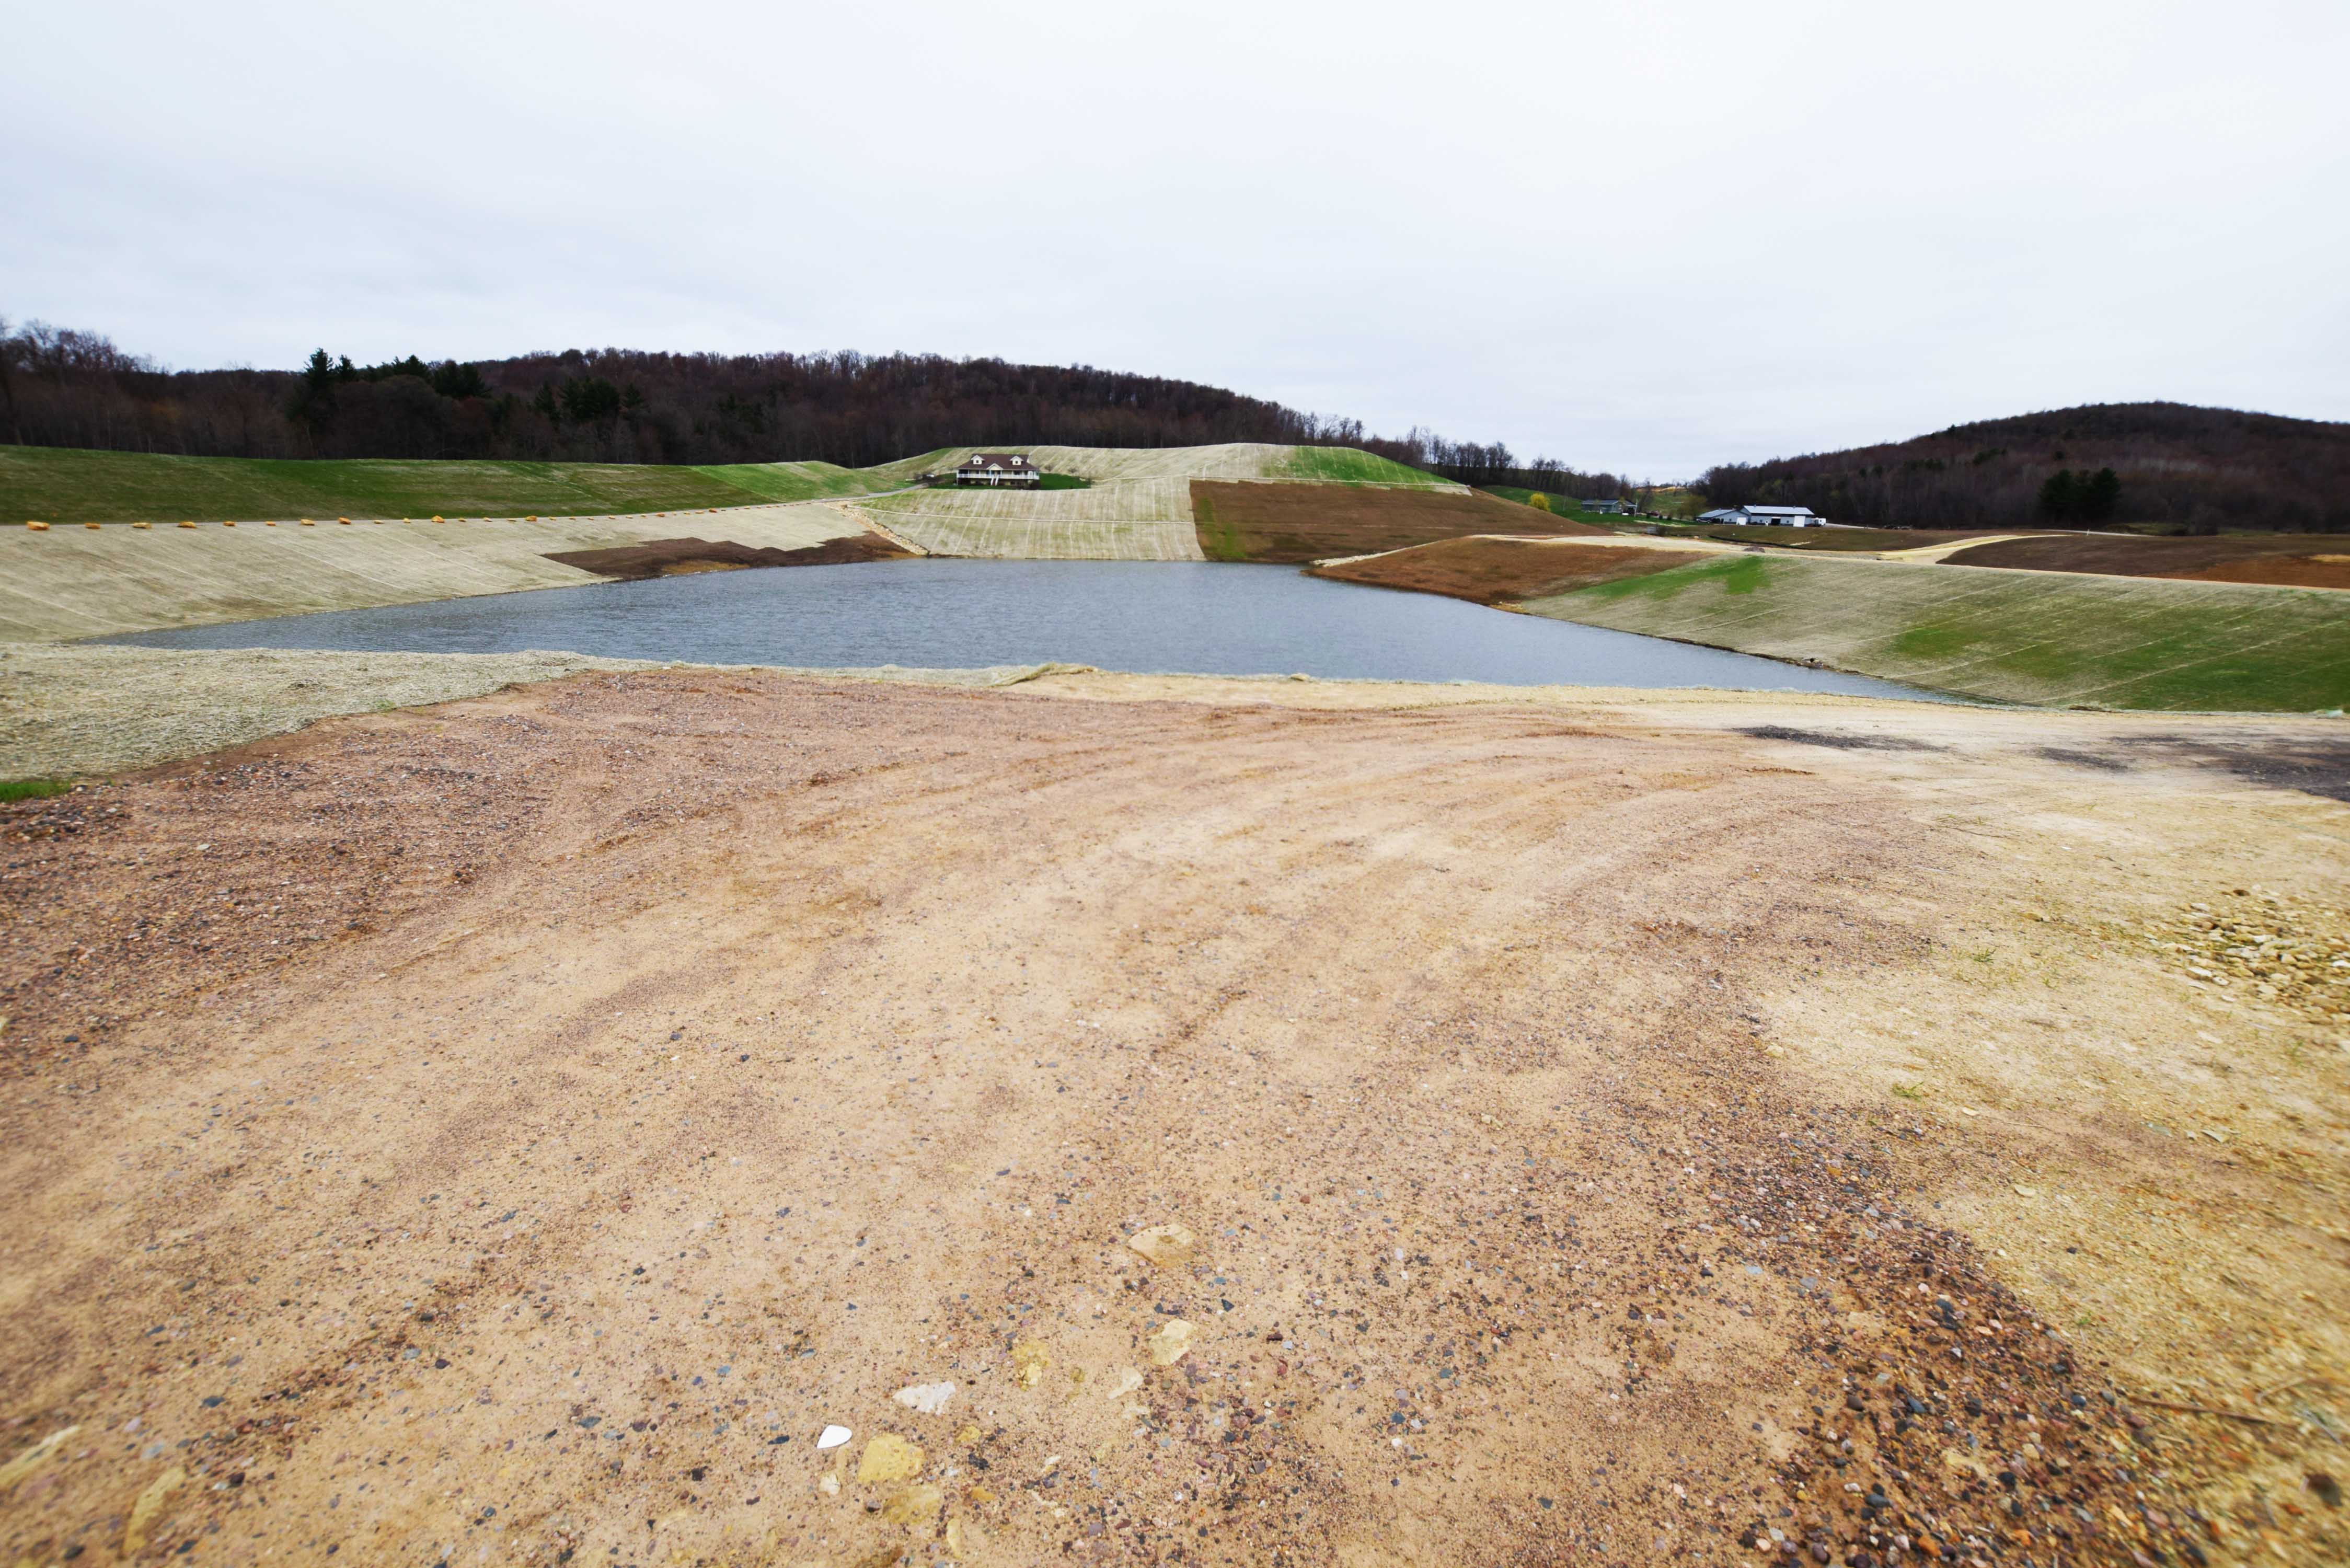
[2179, 468]
[1469, 463]
[62, 388]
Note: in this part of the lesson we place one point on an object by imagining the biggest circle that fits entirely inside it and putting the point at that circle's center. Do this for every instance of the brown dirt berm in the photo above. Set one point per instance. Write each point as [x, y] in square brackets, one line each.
[2287, 560]
[1300, 523]
[668, 557]
[1488, 571]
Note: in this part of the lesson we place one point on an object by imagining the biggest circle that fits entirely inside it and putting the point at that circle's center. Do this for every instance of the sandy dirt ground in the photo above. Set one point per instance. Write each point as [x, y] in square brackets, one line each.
[1162, 1121]
[72, 712]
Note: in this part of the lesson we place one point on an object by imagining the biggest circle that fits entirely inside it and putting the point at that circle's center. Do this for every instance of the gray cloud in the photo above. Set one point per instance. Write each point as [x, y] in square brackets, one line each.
[1642, 236]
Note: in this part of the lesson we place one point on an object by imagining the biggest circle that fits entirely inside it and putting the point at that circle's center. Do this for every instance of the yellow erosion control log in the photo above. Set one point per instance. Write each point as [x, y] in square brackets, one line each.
[342, 519]
[37, 527]
[228, 521]
[142, 525]
[90, 525]
[187, 525]
[438, 518]
[307, 524]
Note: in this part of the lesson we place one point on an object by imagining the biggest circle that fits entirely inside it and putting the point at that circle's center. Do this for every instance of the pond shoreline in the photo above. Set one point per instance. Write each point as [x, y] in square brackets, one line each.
[1165, 617]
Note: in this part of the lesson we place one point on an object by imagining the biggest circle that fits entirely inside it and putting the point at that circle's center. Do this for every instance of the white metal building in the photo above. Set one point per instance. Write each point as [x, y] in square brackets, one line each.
[1779, 516]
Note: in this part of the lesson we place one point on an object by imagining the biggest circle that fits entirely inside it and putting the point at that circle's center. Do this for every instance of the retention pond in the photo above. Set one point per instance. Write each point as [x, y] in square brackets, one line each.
[1147, 617]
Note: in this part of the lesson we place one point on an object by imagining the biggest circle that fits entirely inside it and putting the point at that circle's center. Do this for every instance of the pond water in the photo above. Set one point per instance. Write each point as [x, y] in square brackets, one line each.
[1151, 617]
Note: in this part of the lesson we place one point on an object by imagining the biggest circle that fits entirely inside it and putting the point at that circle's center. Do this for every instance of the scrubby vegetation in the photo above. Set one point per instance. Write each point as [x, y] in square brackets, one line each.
[1558, 503]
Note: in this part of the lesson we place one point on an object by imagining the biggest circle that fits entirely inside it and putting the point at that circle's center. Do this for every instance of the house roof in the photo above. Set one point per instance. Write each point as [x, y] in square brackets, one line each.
[1004, 459]
[1776, 511]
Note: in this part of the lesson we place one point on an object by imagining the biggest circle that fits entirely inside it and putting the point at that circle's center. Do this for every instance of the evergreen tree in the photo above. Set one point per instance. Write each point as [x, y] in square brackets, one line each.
[313, 402]
[2099, 497]
[2060, 498]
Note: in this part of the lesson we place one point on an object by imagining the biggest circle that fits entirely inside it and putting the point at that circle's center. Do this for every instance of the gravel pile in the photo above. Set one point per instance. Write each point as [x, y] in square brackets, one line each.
[2287, 953]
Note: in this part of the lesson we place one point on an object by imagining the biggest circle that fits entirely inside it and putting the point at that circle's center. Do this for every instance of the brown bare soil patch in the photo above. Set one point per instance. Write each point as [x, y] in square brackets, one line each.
[2329, 569]
[1832, 540]
[1300, 523]
[672, 557]
[2287, 560]
[1487, 571]
[514, 1130]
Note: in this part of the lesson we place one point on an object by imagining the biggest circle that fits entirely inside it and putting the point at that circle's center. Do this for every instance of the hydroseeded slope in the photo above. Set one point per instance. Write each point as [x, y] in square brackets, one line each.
[60, 484]
[1135, 520]
[90, 582]
[1228, 460]
[2117, 642]
[1234, 459]
[799, 480]
[1139, 506]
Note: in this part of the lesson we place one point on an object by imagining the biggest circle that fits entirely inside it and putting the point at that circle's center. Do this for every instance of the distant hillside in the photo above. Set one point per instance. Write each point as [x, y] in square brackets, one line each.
[67, 388]
[2174, 467]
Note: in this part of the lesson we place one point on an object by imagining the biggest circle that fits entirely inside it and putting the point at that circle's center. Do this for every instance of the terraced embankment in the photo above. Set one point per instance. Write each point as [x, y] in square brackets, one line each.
[70, 582]
[64, 486]
[2017, 637]
[1142, 503]
[1179, 1122]
[1116, 520]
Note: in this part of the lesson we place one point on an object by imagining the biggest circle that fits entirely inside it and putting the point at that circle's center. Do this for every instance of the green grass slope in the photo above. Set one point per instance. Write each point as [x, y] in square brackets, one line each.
[2115, 642]
[1347, 465]
[797, 481]
[1559, 505]
[60, 484]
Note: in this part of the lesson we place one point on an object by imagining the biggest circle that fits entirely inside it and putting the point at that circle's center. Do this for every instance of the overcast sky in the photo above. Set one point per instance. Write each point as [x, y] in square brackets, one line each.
[1644, 235]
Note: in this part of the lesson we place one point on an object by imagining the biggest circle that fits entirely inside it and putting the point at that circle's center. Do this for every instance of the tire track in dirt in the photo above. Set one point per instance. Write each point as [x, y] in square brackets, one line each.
[760, 999]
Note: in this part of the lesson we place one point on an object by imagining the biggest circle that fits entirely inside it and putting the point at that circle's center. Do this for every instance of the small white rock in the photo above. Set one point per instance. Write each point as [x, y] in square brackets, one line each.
[832, 1438]
[925, 1399]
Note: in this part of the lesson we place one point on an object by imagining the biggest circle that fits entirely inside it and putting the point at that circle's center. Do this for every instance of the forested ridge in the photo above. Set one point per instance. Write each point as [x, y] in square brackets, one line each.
[2168, 465]
[70, 388]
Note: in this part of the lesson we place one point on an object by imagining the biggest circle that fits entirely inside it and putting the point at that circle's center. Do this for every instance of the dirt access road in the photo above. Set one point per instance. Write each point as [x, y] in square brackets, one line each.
[1303, 1124]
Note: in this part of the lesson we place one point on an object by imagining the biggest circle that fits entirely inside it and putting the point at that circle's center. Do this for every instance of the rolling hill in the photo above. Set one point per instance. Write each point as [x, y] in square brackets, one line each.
[2179, 468]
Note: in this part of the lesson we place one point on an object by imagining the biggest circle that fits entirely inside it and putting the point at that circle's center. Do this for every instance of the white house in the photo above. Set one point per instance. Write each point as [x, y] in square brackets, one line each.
[1780, 516]
[997, 468]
